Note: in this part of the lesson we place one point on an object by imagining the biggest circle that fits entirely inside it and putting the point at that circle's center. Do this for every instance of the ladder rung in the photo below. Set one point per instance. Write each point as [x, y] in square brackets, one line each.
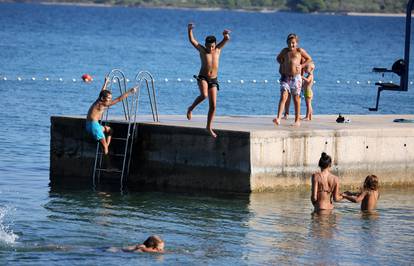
[114, 155]
[109, 170]
[119, 138]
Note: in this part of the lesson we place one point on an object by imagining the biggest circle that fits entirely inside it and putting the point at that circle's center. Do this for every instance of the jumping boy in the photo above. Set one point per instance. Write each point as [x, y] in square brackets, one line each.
[207, 77]
[95, 113]
[291, 63]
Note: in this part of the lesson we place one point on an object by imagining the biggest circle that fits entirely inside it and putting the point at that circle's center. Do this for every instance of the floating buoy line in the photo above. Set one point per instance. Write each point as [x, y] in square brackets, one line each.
[88, 79]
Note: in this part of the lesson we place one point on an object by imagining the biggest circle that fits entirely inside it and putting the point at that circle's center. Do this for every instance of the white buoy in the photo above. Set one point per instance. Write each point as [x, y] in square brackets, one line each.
[60, 79]
[4, 78]
[369, 81]
[191, 80]
[278, 81]
[46, 78]
[347, 82]
[228, 81]
[179, 80]
[357, 82]
[241, 81]
[33, 78]
[338, 82]
[166, 80]
[74, 80]
[379, 81]
[265, 81]
[254, 81]
[411, 82]
[19, 78]
[314, 81]
[391, 81]
[127, 80]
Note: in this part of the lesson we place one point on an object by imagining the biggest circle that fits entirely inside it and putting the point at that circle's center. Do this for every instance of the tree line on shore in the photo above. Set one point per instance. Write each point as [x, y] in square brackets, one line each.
[305, 6]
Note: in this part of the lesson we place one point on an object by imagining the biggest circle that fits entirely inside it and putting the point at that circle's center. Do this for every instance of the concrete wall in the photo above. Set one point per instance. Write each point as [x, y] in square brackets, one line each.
[166, 156]
[288, 160]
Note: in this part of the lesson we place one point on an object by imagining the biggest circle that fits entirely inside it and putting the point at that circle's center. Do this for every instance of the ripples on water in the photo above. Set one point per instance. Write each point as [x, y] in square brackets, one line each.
[40, 225]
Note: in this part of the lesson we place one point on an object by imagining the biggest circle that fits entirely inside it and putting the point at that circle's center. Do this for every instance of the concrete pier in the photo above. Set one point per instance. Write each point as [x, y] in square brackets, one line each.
[249, 155]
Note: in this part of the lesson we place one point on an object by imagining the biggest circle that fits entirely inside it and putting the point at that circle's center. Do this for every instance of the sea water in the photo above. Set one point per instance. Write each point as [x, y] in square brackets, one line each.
[42, 44]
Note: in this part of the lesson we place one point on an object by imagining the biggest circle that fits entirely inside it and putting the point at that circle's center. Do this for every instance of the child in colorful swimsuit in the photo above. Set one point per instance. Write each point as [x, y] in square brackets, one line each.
[290, 59]
[207, 77]
[95, 113]
[307, 84]
[368, 196]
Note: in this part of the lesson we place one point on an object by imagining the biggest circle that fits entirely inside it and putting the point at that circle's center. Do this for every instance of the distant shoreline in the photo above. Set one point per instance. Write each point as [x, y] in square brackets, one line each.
[375, 14]
[257, 9]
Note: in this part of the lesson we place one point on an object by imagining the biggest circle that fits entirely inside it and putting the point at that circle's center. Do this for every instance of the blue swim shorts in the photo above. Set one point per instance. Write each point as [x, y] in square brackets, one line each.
[95, 129]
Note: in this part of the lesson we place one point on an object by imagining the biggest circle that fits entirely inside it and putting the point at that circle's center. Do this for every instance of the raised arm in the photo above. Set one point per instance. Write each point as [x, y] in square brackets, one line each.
[123, 96]
[226, 38]
[305, 56]
[191, 38]
[105, 84]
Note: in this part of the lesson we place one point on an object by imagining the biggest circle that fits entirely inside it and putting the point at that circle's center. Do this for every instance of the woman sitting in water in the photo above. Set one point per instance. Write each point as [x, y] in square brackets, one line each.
[325, 186]
[368, 196]
[152, 244]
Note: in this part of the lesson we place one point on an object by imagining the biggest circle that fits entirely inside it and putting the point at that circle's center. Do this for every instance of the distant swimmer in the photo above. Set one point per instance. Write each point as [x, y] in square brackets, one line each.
[95, 114]
[153, 244]
[368, 196]
[291, 59]
[325, 186]
[207, 76]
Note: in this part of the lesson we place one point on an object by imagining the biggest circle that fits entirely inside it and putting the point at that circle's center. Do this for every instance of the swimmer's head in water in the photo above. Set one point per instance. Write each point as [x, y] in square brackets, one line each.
[371, 182]
[154, 242]
[210, 43]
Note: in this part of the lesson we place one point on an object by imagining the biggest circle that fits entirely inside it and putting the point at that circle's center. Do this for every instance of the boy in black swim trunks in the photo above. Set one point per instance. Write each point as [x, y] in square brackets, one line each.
[207, 77]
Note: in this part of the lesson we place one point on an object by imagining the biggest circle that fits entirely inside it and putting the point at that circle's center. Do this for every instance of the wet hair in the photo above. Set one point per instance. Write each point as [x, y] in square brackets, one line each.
[210, 39]
[371, 183]
[325, 161]
[104, 94]
[292, 36]
[153, 241]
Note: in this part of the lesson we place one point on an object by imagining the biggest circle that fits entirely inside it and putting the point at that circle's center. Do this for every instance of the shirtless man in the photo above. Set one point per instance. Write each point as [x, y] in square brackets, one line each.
[95, 114]
[207, 76]
[291, 60]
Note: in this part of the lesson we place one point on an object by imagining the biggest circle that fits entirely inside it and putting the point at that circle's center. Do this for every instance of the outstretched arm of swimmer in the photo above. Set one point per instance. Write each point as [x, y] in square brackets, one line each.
[356, 198]
[305, 56]
[226, 38]
[314, 195]
[105, 84]
[191, 38]
[123, 96]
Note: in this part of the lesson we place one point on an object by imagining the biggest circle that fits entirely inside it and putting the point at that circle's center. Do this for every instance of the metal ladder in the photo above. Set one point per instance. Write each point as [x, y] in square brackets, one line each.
[130, 109]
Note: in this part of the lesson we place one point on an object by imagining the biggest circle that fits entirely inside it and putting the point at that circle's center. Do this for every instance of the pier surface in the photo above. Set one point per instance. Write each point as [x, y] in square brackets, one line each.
[250, 154]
